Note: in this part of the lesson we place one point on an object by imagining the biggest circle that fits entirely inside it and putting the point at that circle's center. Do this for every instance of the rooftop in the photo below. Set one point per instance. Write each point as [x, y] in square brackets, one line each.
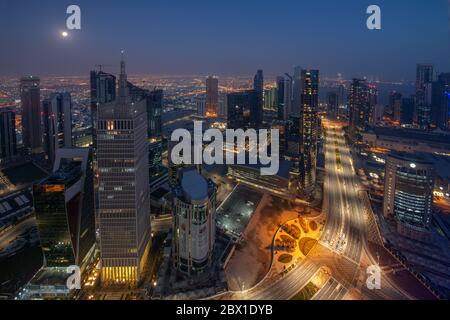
[283, 171]
[68, 172]
[412, 134]
[195, 186]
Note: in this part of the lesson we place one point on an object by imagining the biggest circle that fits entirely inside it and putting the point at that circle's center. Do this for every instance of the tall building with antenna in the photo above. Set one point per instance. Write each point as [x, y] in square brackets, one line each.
[123, 187]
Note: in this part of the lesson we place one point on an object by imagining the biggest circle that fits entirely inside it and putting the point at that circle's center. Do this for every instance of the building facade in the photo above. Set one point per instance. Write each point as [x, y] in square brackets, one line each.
[57, 123]
[212, 96]
[240, 107]
[257, 112]
[8, 140]
[64, 207]
[408, 194]
[30, 96]
[123, 187]
[441, 101]
[103, 90]
[309, 132]
[194, 223]
[359, 107]
[424, 81]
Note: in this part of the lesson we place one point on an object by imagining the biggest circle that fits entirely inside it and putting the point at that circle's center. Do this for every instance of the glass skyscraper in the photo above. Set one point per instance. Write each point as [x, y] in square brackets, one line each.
[212, 96]
[64, 209]
[103, 90]
[57, 120]
[30, 96]
[309, 130]
[359, 106]
[408, 193]
[257, 112]
[424, 80]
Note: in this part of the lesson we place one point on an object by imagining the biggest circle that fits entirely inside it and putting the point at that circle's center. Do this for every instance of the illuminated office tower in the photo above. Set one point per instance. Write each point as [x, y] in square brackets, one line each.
[359, 107]
[257, 111]
[30, 96]
[8, 141]
[309, 127]
[424, 81]
[123, 187]
[103, 90]
[212, 96]
[408, 194]
[57, 121]
[194, 225]
[64, 207]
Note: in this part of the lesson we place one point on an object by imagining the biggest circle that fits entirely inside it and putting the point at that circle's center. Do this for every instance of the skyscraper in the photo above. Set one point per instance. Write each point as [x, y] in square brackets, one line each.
[342, 100]
[288, 81]
[296, 91]
[30, 95]
[240, 106]
[154, 104]
[200, 102]
[424, 80]
[57, 121]
[8, 141]
[309, 127]
[407, 111]
[103, 90]
[194, 223]
[359, 105]
[282, 112]
[212, 96]
[408, 193]
[332, 104]
[395, 105]
[64, 209]
[123, 192]
[271, 99]
[441, 101]
[154, 101]
[257, 112]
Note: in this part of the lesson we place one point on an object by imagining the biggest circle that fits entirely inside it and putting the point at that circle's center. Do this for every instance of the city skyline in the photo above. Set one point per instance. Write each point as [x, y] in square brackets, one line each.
[184, 39]
[301, 152]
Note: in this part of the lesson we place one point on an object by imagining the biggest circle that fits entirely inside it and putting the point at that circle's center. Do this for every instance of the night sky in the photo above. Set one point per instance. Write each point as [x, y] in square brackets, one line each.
[225, 37]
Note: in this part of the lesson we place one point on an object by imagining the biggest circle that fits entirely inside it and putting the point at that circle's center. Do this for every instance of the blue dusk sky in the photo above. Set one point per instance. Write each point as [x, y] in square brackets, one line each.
[225, 37]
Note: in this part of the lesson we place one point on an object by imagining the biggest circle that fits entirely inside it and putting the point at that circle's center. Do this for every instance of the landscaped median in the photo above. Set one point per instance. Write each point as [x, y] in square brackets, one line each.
[293, 241]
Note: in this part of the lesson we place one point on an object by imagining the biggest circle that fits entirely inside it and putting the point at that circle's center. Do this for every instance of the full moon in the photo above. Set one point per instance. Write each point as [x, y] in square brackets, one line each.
[64, 34]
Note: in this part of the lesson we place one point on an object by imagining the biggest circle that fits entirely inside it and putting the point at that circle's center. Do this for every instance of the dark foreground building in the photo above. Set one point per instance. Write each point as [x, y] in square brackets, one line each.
[65, 210]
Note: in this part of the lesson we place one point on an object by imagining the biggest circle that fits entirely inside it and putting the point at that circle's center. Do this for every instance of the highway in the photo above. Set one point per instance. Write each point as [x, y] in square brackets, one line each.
[8, 236]
[342, 242]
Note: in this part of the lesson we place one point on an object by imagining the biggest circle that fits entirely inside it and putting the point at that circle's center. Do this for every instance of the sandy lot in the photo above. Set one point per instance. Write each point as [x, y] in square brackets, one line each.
[251, 260]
